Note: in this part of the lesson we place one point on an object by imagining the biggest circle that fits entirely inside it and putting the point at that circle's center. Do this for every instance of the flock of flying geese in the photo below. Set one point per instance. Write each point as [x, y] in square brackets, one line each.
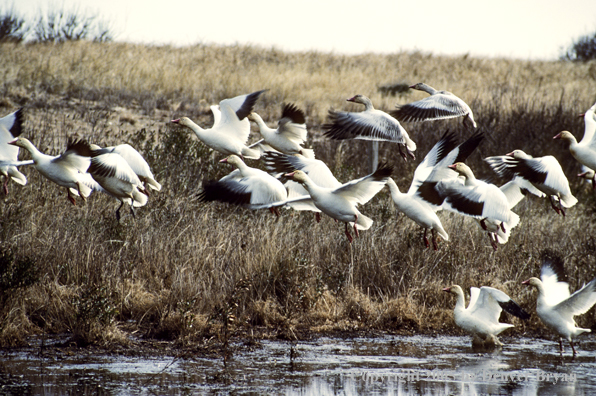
[297, 180]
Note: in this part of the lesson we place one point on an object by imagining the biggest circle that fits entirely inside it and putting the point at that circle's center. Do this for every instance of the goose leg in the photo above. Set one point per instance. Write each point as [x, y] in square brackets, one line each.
[434, 239]
[561, 346]
[573, 348]
[503, 227]
[71, 198]
[80, 193]
[118, 211]
[350, 239]
[552, 203]
[275, 211]
[401, 152]
[493, 240]
[132, 211]
[317, 217]
[594, 181]
[411, 154]
[425, 239]
[356, 229]
[561, 207]
[5, 185]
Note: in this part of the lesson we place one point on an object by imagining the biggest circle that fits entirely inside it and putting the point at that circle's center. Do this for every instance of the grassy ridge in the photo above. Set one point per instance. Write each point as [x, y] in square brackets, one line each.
[186, 271]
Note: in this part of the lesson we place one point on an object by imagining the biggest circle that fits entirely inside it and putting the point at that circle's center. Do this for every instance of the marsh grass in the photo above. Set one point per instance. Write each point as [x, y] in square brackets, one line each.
[198, 273]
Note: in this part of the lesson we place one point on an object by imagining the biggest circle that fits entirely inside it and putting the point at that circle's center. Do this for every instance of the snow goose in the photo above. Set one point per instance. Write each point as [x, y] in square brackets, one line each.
[290, 134]
[411, 204]
[554, 306]
[11, 127]
[419, 211]
[231, 126]
[67, 170]
[481, 317]
[439, 105]
[498, 232]
[244, 186]
[136, 162]
[544, 173]
[427, 177]
[339, 203]
[476, 198]
[117, 178]
[279, 163]
[370, 124]
[584, 151]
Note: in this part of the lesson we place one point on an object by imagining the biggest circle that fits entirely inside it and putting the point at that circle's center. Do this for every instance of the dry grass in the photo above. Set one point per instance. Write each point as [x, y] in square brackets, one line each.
[187, 271]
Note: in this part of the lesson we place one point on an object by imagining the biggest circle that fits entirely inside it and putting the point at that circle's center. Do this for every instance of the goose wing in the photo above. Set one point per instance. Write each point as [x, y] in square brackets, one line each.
[365, 125]
[441, 105]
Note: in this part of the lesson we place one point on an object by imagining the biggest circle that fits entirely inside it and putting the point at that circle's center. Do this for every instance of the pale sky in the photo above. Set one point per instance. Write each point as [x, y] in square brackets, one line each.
[524, 29]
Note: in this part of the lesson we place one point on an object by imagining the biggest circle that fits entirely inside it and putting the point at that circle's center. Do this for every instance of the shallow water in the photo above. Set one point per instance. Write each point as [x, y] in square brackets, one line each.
[385, 365]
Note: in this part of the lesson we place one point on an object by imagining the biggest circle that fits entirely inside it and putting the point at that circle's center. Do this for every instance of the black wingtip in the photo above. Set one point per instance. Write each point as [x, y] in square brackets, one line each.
[467, 147]
[555, 262]
[383, 171]
[291, 111]
[512, 308]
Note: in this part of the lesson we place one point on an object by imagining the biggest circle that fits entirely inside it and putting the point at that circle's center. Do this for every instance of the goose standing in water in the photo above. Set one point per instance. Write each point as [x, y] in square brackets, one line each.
[67, 170]
[439, 105]
[555, 306]
[370, 124]
[11, 126]
[231, 126]
[481, 317]
[544, 173]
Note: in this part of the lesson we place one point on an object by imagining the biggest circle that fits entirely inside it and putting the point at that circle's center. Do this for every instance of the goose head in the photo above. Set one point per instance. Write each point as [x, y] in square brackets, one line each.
[462, 169]
[21, 142]
[533, 281]
[565, 135]
[184, 121]
[232, 160]
[519, 154]
[298, 176]
[454, 289]
[362, 100]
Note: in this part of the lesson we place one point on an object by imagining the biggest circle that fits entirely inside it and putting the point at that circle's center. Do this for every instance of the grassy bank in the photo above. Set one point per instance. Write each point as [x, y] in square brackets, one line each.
[188, 271]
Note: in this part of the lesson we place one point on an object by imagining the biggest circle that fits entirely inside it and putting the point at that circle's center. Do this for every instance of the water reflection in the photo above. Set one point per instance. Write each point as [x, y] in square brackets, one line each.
[385, 365]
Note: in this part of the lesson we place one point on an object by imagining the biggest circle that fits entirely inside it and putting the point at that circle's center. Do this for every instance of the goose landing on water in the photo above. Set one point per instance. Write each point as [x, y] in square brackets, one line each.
[481, 317]
[555, 306]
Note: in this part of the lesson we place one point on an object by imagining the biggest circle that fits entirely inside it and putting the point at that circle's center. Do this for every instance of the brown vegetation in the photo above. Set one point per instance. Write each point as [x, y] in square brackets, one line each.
[188, 271]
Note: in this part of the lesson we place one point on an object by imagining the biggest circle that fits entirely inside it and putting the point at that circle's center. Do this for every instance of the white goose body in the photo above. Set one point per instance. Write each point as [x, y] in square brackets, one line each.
[475, 198]
[584, 151]
[339, 203]
[555, 306]
[317, 170]
[67, 170]
[544, 173]
[231, 127]
[439, 105]
[117, 179]
[137, 163]
[245, 186]
[419, 211]
[290, 134]
[11, 126]
[481, 317]
[370, 124]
